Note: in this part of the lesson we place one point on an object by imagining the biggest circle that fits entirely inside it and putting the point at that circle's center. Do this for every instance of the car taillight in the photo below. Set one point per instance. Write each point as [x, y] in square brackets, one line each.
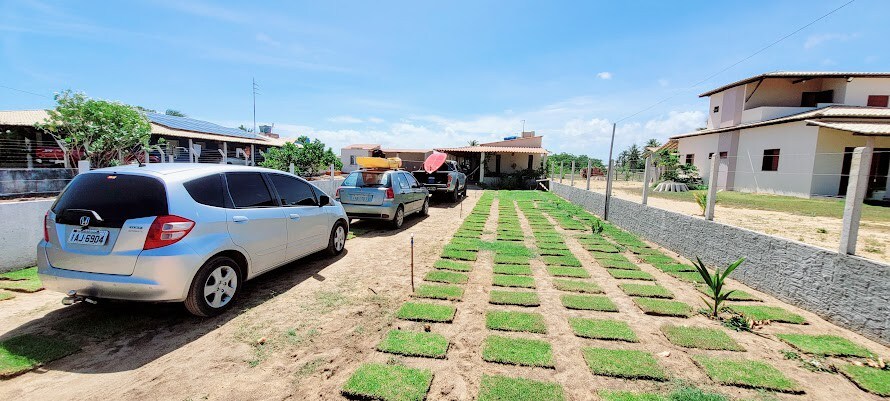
[390, 194]
[449, 179]
[167, 230]
[337, 194]
[46, 226]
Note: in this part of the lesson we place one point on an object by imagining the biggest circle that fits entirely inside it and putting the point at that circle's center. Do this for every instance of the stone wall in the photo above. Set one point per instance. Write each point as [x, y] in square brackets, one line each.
[847, 290]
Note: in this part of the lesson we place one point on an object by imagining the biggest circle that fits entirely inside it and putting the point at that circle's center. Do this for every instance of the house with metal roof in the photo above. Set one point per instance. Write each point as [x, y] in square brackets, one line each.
[412, 159]
[487, 162]
[793, 133]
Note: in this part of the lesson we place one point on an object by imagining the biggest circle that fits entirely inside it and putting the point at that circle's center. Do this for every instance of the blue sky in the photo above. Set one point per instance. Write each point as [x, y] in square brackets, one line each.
[423, 74]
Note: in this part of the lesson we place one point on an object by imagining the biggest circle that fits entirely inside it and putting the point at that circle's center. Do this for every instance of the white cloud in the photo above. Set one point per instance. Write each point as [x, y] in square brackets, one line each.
[376, 120]
[345, 120]
[266, 39]
[604, 75]
[818, 39]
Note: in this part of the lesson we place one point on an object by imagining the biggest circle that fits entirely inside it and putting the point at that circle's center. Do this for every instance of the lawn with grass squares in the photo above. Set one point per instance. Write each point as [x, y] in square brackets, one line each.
[663, 307]
[873, 380]
[601, 248]
[588, 302]
[445, 264]
[410, 343]
[771, 313]
[509, 259]
[517, 351]
[700, 337]
[524, 270]
[826, 345]
[587, 287]
[565, 260]
[627, 364]
[608, 256]
[374, 381]
[646, 290]
[555, 252]
[426, 312]
[630, 274]
[458, 255]
[436, 291]
[501, 280]
[502, 388]
[442, 276]
[553, 245]
[464, 244]
[515, 321]
[25, 352]
[519, 298]
[618, 264]
[602, 329]
[560, 271]
[735, 295]
[746, 373]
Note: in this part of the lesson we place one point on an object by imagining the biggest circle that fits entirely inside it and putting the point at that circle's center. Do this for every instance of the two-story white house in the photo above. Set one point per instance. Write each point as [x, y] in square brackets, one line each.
[793, 133]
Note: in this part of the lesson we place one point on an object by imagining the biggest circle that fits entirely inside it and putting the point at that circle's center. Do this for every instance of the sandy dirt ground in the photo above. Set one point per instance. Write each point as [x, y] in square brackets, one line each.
[301, 331]
[825, 232]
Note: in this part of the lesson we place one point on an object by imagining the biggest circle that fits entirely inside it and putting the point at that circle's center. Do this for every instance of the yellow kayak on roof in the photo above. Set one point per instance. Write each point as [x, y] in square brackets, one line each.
[379, 162]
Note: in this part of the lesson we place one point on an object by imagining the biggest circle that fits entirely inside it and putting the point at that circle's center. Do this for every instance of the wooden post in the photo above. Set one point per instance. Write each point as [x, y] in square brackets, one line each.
[856, 188]
[712, 186]
[412, 262]
[588, 174]
[647, 176]
[572, 180]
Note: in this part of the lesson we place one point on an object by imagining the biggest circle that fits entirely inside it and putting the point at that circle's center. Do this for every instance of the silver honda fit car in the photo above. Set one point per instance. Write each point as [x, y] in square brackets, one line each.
[191, 233]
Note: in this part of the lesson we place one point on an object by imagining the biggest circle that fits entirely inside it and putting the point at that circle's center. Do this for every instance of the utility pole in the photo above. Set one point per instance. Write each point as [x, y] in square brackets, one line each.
[523, 127]
[609, 176]
[255, 88]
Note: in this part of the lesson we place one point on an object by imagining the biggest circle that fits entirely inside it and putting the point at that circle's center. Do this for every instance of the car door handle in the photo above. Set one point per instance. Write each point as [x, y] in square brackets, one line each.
[294, 216]
[240, 219]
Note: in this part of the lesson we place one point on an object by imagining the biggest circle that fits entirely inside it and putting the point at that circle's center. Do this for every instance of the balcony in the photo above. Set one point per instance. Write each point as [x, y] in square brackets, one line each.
[770, 112]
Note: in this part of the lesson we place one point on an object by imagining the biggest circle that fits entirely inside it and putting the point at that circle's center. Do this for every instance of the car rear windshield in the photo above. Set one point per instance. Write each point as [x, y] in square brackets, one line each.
[115, 198]
[367, 179]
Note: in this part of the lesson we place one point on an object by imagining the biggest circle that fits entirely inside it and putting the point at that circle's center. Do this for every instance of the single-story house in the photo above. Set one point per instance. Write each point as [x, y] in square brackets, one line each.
[793, 133]
[486, 162]
[412, 159]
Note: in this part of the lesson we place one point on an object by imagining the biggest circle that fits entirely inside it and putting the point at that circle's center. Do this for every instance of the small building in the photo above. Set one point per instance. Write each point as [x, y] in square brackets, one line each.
[412, 159]
[487, 162]
[793, 133]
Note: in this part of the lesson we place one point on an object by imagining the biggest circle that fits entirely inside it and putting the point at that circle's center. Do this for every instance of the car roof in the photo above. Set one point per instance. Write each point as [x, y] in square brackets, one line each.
[178, 172]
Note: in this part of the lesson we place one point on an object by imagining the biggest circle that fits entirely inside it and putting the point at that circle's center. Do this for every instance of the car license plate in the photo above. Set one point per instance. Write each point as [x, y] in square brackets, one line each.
[361, 198]
[88, 237]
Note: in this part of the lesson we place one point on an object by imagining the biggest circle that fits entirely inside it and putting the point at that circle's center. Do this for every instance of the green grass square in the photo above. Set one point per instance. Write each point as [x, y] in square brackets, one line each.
[25, 352]
[735, 295]
[441, 276]
[4, 295]
[663, 307]
[515, 321]
[746, 373]
[826, 345]
[501, 280]
[873, 380]
[587, 287]
[23, 280]
[517, 351]
[700, 337]
[502, 388]
[559, 271]
[689, 277]
[630, 274]
[376, 381]
[771, 313]
[608, 256]
[520, 298]
[459, 244]
[604, 248]
[445, 264]
[618, 264]
[646, 290]
[555, 252]
[588, 302]
[458, 255]
[508, 259]
[553, 245]
[410, 343]
[436, 291]
[611, 395]
[29, 273]
[568, 260]
[659, 258]
[628, 364]
[674, 267]
[426, 312]
[602, 329]
[523, 270]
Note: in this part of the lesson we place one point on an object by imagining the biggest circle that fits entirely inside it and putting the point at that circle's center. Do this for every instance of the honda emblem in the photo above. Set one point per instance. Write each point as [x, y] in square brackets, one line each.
[84, 220]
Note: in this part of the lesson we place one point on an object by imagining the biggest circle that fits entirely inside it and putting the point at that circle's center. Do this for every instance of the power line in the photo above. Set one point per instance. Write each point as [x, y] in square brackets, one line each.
[738, 62]
[24, 91]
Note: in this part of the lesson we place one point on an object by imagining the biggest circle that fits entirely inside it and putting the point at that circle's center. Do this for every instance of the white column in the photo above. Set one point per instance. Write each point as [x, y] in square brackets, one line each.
[712, 186]
[482, 167]
[191, 152]
[561, 174]
[83, 166]
[291, 168]
[573, 173]
[226, 151]
[252, 156]
[856, 188]
[588, 174]
[647, 176]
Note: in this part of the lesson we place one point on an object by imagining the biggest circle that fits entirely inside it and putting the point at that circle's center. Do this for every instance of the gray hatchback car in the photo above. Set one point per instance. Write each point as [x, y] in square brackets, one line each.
[182, 232]
[383, 195]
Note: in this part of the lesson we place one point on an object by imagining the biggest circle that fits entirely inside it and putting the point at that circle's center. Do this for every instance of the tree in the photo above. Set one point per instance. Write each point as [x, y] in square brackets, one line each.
[474, 143]
[653, 143]
[308, 157]
[175, 113]
[245, 129]
[107, 133]
[634, 157]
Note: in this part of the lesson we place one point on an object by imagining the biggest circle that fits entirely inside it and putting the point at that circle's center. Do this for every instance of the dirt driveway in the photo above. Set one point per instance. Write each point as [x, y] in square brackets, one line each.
[298, 331]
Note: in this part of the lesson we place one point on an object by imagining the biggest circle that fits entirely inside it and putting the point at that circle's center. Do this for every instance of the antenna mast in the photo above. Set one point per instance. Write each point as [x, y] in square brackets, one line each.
[255, 88]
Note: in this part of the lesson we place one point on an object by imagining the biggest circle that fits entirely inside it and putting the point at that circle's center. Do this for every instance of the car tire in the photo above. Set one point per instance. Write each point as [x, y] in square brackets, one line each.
[337, 241]
[455, 196]
[215, 288]
[425, 209]
[398, 218]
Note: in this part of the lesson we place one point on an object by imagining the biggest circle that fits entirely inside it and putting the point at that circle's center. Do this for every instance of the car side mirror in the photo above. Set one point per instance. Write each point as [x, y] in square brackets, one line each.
[324, 200]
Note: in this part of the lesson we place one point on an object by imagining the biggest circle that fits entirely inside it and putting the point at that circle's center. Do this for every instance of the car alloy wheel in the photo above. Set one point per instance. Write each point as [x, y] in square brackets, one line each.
[339, 238]
[220, 286]
[400, 217]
